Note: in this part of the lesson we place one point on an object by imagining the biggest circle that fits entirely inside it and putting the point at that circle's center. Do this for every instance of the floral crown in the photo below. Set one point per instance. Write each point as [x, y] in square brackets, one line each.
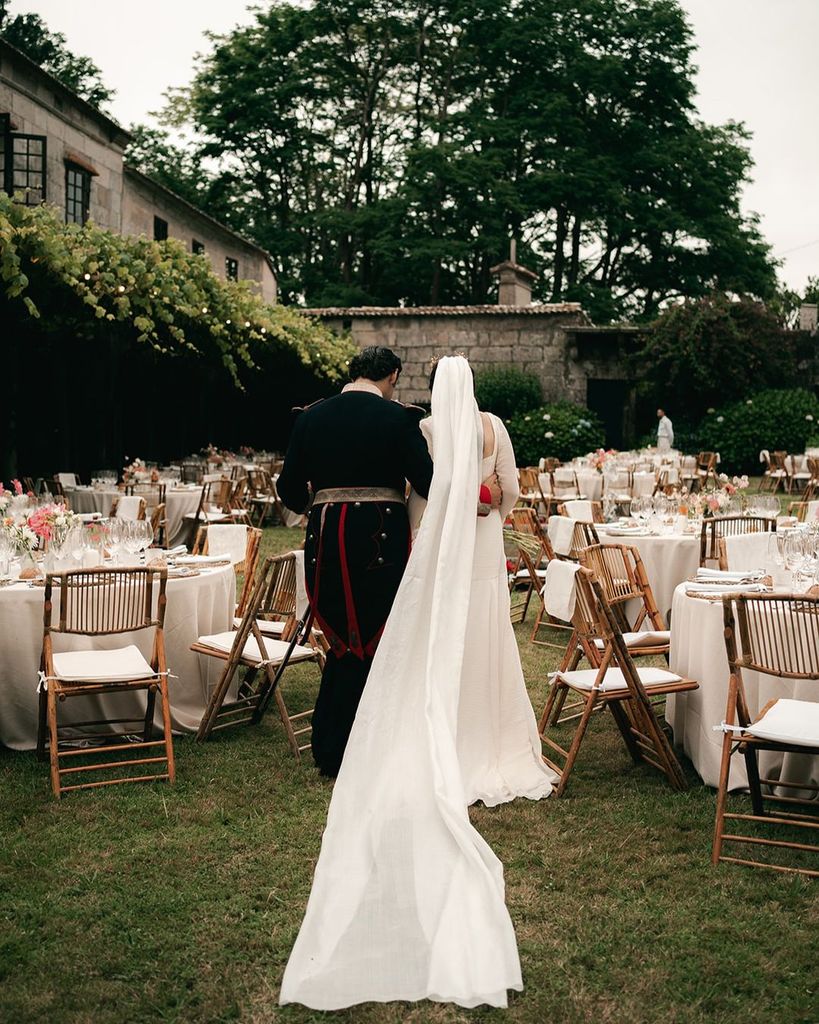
[436, 359]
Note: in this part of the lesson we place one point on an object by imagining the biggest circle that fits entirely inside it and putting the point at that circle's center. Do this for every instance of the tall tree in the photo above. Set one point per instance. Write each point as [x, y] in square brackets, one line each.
[385, 154]
[30, 34]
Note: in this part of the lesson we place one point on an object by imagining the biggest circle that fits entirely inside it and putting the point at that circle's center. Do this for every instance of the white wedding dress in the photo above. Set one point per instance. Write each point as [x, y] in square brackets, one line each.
[498, 745]
[408, 899]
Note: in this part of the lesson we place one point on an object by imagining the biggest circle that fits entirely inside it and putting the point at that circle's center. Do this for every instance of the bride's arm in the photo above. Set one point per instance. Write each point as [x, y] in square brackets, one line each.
[506, 468]
[416, 504]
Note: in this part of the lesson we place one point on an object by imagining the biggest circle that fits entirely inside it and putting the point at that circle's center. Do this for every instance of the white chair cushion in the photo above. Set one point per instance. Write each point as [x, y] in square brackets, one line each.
[583, 679]
[266, 627]
[523, 574]
[654, 638]
[789, 721]
[276, 649]
[118, 665]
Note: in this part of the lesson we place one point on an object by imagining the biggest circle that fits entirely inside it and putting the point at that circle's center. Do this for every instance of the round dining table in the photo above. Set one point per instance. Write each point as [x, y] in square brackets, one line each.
[197, 605]
[698, 652]
[179, 502]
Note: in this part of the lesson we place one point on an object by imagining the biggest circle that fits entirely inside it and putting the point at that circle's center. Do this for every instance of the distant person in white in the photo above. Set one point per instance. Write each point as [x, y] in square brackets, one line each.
[665, 432]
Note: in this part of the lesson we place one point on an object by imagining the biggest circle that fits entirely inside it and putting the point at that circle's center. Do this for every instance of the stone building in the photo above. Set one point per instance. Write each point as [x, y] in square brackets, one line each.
[574, 360]
[58, 149]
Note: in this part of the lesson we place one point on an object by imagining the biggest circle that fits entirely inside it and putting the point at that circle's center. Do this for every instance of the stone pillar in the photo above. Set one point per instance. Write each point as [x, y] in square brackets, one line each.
[514, 281]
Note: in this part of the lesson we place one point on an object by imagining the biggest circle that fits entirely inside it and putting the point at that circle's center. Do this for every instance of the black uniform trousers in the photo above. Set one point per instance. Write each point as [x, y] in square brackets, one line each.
[355, 556]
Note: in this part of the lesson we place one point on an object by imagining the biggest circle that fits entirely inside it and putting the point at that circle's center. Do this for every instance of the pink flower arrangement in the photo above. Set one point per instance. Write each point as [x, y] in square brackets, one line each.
[599, 458]
[49, 518]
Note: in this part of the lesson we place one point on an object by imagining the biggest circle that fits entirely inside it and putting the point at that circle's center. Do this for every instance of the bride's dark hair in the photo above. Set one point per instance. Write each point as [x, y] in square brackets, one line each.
[434, 367]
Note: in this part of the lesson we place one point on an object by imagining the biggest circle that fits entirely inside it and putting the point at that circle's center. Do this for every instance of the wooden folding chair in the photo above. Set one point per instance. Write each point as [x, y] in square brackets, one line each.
[245, 566]
[565, 509]
[530, 495]
[717, 527]
[615, 683]
[775, 635]
[706, 468]
[812, 483]
[96, 603]
[265, 499]
[798, 509]
[267, 657]
[130, 507]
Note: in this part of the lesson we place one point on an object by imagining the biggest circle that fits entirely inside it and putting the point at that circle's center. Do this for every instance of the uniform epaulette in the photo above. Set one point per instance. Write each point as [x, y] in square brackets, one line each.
[297, 409]
[418, 412]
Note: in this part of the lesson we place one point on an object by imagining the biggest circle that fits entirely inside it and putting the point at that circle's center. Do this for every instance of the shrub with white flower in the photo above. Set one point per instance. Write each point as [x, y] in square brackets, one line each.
[559, 430]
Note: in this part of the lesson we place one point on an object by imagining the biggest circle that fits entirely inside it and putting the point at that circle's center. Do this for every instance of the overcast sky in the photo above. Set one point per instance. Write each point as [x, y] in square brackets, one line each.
[757, 63]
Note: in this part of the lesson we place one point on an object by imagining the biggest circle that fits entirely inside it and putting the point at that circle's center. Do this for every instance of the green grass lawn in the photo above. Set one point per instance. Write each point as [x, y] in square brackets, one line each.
[157, 903]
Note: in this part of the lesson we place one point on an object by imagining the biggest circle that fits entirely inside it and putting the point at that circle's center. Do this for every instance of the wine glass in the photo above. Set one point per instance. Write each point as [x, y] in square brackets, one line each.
[76, 544]
[146, 536]
[117, 529]
[5, 552]
[131, 538]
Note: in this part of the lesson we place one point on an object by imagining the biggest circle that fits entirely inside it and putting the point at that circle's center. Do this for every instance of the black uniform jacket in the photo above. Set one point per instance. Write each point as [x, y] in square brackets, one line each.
[355, 554]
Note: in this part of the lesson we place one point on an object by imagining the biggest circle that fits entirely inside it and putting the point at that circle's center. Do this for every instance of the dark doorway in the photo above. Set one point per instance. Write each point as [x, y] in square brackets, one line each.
[613, 401]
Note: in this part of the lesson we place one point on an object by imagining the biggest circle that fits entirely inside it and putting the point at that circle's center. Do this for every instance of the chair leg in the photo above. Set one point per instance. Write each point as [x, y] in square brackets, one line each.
[722, 795]
[754, 787]
[166, 722]
[624, 723]
[577, 739]
[42, 723]
[52, 738]
[150, 704]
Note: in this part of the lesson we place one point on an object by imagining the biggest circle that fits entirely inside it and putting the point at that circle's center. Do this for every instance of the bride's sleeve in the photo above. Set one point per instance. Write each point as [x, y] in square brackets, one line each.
[506, 468]
[416, 504]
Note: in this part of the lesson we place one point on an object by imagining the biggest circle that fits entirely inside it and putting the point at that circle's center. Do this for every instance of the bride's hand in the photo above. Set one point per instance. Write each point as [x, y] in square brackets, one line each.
[494, 486]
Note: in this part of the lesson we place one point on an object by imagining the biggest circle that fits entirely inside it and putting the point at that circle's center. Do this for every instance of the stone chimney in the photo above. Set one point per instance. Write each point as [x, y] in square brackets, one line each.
[514, 281]
[807, 317]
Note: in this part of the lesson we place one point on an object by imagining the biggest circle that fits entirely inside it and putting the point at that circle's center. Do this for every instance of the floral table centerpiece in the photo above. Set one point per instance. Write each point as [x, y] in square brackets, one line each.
[52, 524]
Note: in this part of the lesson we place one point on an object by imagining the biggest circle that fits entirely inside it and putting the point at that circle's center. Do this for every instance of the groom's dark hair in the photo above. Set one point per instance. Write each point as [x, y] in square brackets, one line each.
[375, 363]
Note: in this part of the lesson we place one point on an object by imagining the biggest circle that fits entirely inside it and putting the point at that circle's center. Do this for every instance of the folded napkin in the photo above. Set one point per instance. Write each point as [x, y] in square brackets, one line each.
[561, 533]
[180, 549]
[627, 531]
[726, 588]
[726, 576]
[202, 560]
[579, 509]
[559, 589]
[89, 517]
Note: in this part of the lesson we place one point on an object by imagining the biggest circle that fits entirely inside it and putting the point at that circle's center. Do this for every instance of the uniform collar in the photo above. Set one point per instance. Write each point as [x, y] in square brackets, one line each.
[362, 385]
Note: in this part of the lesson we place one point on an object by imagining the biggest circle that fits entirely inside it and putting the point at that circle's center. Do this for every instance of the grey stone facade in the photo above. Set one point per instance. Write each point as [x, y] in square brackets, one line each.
[574, 360]
[121, 200]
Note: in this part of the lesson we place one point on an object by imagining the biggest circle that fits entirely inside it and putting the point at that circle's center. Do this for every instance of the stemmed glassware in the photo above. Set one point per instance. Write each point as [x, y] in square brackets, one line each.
[6, 548]
[117, 531]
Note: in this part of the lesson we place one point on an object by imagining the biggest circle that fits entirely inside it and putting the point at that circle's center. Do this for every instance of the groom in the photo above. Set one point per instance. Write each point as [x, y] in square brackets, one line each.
[352, 455]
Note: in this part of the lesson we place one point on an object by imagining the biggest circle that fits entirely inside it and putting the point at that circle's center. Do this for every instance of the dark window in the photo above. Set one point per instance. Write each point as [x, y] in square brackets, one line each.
[232, 268]
[160, 229]
[23, 165]
[77, 194]
[197, 246]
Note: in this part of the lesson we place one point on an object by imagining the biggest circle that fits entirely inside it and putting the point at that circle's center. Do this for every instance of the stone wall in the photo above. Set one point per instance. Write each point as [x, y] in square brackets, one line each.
[534, 338]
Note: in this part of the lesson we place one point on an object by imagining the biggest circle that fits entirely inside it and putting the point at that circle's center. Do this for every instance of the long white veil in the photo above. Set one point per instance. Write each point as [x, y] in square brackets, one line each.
[408, 899]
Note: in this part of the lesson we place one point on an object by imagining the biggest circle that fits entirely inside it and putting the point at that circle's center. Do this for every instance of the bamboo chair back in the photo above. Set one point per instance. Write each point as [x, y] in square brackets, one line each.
[529, 483]
[596, 511]
[717, 527]
[776, 635]
[192, 472]
[622, 576]
[154, 494]
[551, 464]
[584, 536]
[159, 524]
[100, 602]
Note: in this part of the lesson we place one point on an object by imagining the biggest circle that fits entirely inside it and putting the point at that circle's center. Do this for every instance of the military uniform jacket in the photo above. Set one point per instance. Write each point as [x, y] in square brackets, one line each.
[355, 554]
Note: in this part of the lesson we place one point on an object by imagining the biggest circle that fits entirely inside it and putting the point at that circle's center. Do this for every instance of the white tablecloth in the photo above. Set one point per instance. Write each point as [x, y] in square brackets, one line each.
[179, 502]
[197, 606]
[668, 560]
[698, 652]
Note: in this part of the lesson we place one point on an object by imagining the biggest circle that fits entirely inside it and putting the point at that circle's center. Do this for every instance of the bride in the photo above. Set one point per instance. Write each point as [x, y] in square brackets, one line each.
[408, 899]
[497, 739]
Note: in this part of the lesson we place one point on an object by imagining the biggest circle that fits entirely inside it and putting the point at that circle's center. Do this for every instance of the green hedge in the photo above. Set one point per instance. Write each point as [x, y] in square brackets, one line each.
[507, 391]
[774, 419]
[560, 430]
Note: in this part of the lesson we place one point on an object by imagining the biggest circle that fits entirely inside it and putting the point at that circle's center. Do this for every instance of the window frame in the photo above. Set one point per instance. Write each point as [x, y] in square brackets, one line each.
[197, 247]
[85, 197]
[231, 268]
[8, 140]
[160, 220]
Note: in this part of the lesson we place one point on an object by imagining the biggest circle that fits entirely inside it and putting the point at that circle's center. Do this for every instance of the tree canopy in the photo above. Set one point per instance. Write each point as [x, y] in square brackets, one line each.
[30, 34]
[385, 154]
